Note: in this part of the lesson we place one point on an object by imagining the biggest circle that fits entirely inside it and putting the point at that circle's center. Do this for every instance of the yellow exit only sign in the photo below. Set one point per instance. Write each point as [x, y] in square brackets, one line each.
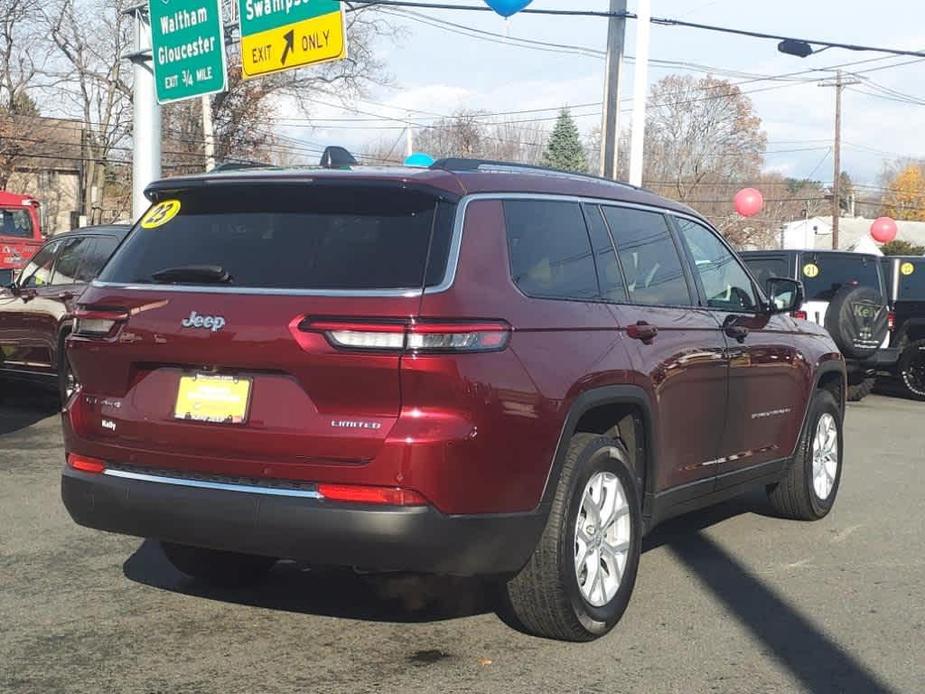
[285, 34]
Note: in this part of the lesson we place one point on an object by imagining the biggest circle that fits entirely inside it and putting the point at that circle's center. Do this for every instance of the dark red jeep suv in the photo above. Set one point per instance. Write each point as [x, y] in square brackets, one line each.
[476, 368]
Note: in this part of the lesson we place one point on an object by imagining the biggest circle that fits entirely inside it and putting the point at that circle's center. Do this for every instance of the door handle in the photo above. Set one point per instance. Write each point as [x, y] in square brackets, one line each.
[737, 332]
[642, 331]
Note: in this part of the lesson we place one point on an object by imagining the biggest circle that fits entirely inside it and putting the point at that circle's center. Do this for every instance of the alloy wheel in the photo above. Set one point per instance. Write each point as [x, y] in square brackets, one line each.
[602, 538]
[825, 456]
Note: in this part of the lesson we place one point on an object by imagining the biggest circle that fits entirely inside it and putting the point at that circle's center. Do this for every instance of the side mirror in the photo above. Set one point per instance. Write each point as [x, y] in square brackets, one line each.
[784, 295]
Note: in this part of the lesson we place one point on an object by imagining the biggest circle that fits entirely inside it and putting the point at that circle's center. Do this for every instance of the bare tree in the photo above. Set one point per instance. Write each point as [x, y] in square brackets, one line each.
[703, 137]
[471, 134]
[91, 38]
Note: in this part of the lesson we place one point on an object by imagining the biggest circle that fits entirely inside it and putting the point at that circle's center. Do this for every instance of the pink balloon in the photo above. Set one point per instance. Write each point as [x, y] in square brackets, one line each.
[749, 202]
[883, 230]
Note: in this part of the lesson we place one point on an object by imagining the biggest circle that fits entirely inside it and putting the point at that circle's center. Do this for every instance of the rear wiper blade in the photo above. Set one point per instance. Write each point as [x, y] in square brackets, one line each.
[199, 274]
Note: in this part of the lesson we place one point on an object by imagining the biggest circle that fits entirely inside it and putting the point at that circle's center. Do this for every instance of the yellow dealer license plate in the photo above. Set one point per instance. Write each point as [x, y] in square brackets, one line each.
[219, 399]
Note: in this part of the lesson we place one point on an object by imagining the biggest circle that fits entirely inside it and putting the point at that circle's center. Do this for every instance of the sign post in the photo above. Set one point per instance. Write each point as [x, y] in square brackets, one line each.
[285, 34]
[188, 46]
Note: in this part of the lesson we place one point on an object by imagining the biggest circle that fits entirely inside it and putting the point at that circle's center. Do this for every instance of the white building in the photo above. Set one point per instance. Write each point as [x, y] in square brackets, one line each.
[853, 234]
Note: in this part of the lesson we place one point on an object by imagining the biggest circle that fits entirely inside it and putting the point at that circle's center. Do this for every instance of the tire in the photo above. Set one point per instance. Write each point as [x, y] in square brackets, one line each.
[226, 569]
[911, 370]
[550, 597]
[796, 495]
[858, 320]
[859, 391]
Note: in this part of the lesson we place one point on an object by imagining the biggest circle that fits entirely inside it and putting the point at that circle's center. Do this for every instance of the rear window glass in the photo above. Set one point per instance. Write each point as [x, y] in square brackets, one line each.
[550, 251]
[763, 269]
[912, 279]
[824, 275]
[295, 237]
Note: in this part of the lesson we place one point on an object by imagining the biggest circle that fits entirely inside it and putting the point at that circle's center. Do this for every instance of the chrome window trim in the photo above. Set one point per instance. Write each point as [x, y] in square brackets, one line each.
[449, 277]
[220, 486]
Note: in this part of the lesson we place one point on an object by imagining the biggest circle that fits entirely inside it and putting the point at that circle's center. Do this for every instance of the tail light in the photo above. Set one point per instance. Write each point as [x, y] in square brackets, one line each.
[97, 323]
[387, 496]
[408, 336]
[800, 315]
[891, 320]
[85, 463]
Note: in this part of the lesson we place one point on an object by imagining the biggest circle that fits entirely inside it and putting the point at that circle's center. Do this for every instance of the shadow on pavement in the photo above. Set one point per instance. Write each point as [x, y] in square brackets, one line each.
[790, 638]
[797, 644]
[293, 587]
[23, 404]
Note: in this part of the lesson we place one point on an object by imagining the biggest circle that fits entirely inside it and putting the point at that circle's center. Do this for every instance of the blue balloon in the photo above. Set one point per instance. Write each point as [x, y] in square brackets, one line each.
[419, 160]
[507, 7]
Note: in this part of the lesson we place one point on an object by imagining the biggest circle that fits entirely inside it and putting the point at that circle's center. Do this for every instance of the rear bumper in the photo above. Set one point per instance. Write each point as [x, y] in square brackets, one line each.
[883, 358]
[417, 539]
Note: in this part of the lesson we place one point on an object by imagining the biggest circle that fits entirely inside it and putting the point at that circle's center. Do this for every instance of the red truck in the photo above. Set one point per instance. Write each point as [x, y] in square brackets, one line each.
[20, 233]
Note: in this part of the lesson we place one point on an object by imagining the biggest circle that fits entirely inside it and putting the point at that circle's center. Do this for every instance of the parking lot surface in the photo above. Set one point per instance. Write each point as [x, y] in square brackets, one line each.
[728, 599]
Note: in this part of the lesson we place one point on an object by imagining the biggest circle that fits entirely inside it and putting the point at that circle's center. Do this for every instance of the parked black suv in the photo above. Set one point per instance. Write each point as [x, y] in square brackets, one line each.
[906, 279]
[846, 293]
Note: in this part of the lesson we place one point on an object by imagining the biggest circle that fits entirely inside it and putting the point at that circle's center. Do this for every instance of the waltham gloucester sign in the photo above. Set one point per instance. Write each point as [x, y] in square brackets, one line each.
[189, 48]
[283, 34]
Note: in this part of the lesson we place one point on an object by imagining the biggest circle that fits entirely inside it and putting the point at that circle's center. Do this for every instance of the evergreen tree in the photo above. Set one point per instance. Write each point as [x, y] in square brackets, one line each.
[564, 149]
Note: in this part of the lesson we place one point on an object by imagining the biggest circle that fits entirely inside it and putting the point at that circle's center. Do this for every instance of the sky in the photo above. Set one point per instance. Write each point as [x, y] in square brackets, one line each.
[435, 71]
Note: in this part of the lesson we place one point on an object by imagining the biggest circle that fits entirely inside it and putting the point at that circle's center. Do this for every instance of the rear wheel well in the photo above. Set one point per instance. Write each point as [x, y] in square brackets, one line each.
[832, 382]
[620, 421]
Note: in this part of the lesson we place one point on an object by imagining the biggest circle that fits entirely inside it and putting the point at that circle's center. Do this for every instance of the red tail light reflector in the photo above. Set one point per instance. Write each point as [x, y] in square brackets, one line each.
[85, 463]
[800, 315]
[409, 336]
[386, 496]
[891, 320]
[93, 323]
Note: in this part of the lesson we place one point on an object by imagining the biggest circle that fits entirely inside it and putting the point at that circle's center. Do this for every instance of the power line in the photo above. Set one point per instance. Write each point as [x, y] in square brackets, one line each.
[661, 21]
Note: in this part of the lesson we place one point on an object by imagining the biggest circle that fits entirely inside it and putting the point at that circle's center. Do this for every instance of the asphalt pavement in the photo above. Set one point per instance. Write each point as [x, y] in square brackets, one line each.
[730, 599]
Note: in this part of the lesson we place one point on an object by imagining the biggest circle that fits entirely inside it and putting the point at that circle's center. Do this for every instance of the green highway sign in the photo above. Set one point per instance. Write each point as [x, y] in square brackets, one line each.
[284, 34]
[188, 43]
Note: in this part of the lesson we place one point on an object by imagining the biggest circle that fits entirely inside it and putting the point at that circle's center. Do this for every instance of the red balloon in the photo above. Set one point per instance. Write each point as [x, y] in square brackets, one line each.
[883, 230]
[749, 202]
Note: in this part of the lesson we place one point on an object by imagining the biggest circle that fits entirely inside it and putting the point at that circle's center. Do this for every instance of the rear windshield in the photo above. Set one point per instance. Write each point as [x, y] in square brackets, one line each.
[912, 279]
[824, 275]
[293, 237]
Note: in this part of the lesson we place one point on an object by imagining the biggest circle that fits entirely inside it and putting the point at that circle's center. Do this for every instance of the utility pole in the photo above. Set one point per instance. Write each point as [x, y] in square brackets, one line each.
[839, 83]
[409, 141]
[640, 89]
[610, 128]
[208, 132]
[146, 124]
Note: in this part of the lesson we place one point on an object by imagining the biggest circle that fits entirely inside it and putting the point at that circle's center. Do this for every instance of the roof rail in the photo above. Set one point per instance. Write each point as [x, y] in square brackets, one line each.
[459, 165]
[238, 165]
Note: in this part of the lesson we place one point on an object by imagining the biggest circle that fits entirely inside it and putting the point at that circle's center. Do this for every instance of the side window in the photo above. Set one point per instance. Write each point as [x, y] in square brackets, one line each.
[38, 272]
[725, 282]
[609, 273]
[654, 274]
[16, 223]
[549, 248]
[94, 257]
[69, 261]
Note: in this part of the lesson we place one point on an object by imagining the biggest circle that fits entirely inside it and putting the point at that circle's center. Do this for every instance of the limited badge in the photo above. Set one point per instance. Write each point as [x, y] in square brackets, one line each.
[811, 270]
[160, 214]
[907, 269]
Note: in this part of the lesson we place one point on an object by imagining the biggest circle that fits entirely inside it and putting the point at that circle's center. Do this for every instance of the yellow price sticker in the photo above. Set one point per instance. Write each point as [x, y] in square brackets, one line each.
[160, 214]
[907, 269]
[811, 270]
